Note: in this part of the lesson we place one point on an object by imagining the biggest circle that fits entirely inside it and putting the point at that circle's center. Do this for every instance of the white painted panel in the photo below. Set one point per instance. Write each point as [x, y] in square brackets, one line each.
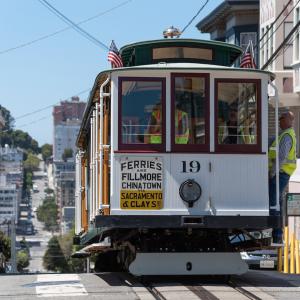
[58, 285]
[240, 184]
[236, 185]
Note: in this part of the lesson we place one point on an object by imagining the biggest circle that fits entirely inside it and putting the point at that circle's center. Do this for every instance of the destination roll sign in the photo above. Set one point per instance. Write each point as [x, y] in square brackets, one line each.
[141, 183]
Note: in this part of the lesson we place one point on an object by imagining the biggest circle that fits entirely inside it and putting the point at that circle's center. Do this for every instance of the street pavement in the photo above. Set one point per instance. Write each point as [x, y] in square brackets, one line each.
[39, 240]
[267, 285]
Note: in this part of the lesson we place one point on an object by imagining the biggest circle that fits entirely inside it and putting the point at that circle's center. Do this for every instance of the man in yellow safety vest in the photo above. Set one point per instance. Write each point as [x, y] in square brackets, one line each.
[287, 162]
[154, 131]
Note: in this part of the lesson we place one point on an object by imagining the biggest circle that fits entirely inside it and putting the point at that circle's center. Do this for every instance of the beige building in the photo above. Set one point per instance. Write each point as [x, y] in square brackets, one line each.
[272, 11]
[296, 49]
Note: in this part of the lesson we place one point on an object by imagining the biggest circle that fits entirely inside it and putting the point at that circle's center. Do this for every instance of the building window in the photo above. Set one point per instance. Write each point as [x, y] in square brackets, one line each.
[245, 38]
[297, 77]
[297, 38]
[287, 84]
[190, 111]
[262, 58]
[238, 115]
[142, 113]
[182, 52]
[288, 50]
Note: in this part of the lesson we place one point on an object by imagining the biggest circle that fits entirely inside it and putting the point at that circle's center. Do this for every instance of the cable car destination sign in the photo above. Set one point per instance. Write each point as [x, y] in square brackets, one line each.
[141, 183]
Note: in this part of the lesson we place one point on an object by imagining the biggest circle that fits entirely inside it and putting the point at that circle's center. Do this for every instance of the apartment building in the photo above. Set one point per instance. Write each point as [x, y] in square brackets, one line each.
[277, 19]
[296, 48]
[235, 22]
[10, 197]
[66, 120]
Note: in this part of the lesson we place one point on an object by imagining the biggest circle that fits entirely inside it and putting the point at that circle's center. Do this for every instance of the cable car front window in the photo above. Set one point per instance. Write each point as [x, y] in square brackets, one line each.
[141, 111]
[237, 113]
[189, 111]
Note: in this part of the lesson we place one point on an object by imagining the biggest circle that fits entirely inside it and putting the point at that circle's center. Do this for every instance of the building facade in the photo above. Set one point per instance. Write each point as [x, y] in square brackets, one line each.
[277, 18]
[296, 48]
[10, 197]
[235, 22]
[66, 120]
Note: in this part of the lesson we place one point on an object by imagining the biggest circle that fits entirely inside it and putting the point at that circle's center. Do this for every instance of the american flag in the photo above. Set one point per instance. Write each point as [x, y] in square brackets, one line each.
[114, 56]
[247, 60]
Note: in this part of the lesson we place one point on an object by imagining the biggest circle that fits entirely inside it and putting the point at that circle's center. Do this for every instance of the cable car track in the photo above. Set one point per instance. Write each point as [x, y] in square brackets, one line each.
[243, 291]
[164, 289]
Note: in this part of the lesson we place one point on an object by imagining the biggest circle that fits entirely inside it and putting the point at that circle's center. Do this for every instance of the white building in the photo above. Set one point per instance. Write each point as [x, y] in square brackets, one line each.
[65, 135]
[9, 200]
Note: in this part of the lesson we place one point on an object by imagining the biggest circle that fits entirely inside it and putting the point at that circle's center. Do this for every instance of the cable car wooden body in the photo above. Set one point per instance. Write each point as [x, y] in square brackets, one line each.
[172, 167]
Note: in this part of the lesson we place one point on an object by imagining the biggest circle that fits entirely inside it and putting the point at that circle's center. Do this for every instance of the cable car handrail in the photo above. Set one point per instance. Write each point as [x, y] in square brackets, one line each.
[102, 95]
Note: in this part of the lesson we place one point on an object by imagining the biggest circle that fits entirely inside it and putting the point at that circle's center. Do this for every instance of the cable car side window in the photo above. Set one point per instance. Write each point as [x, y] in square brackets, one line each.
[141, 113]
[238, 115]
[190, 112]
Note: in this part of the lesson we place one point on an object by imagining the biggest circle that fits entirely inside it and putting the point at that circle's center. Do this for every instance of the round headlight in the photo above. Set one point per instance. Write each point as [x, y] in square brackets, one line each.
[190, 191]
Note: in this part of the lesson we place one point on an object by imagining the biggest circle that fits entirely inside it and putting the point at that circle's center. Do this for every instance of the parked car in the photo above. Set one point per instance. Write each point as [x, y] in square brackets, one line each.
[261, 259]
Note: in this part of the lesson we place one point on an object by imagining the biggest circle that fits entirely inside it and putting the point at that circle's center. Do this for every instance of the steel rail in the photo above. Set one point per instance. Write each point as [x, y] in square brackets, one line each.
[243, 291]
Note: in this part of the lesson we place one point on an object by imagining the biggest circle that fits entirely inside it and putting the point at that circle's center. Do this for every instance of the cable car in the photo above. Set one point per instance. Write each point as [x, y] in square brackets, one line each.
[172, 167]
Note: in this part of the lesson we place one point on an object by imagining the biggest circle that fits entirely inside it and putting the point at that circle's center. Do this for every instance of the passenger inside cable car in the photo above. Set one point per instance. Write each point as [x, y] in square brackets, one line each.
[237, 114]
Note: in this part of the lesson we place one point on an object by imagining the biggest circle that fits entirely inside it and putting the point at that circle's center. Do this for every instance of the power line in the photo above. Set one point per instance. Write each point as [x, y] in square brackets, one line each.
[193, 18]
[49, 106]
[73, 25]
[281, 46]
[284, 8]
[261, 46]
[63, 29]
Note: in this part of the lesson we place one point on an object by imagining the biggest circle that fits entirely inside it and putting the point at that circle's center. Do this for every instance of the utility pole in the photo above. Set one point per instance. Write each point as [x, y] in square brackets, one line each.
[13, 258]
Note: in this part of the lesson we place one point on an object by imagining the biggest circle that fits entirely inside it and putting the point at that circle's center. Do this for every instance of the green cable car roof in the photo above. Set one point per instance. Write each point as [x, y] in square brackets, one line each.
[180, 50]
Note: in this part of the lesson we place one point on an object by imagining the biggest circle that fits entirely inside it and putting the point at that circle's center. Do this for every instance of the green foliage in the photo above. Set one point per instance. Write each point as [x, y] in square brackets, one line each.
[27, 180]
[9, 120]
[46, 150]
[31, 163]
[54, 259]
[66, 242]
[48, 191]
[16, 138]
[68, 153]
[19, 138]
[5, 245]
[22, 260]
[47, 213]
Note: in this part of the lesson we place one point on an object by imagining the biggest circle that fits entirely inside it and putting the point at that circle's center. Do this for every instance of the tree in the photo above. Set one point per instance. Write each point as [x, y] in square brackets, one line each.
[54, 259]
[22, 260]
[4, 245]
[31, 163]
[9, 120]
[68, 153]
[46, 150]
[47, 213]
[4, 251]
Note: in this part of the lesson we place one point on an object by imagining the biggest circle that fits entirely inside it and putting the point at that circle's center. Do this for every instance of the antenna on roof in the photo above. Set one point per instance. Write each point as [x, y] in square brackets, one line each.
[171, 32]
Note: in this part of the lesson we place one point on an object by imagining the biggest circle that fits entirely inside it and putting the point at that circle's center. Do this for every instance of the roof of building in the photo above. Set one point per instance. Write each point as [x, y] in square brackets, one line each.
[223, 10]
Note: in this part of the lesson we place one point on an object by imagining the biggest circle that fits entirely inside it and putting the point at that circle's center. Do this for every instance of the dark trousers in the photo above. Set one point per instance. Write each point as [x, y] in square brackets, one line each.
[283, 182]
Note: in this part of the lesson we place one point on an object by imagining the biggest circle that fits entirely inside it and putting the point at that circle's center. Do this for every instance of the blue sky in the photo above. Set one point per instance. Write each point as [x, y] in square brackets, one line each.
[63, 65]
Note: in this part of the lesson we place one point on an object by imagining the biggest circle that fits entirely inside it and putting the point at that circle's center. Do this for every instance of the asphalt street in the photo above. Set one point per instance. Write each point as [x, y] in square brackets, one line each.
[267, 285]
[39, 240]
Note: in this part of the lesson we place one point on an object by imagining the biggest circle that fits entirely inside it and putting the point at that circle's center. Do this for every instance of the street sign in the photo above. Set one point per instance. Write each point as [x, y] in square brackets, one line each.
[293, 204]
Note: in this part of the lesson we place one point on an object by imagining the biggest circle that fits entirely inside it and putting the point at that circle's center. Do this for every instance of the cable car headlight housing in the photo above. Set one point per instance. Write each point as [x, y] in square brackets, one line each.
[190, 191]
